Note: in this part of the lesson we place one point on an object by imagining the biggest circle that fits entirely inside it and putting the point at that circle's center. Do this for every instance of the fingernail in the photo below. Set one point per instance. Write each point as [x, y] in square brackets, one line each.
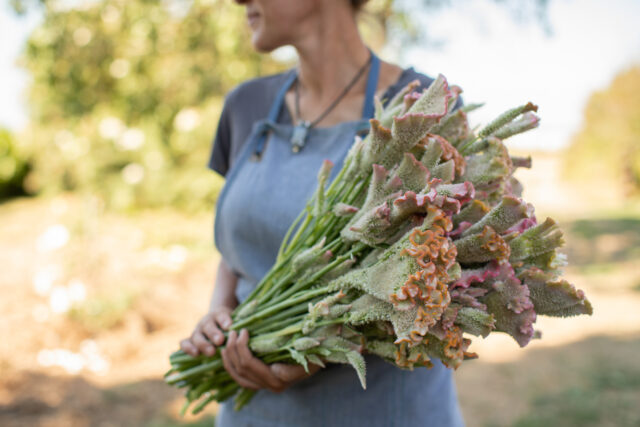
[226, 323]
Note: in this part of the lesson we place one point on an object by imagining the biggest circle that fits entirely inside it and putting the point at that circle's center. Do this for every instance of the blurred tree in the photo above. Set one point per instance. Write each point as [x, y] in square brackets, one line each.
[607, 148]
[125, 94]
[380, 17]
[13, 167]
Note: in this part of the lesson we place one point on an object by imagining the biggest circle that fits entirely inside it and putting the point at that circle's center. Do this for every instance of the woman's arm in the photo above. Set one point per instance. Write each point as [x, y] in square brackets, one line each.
[224, 292]
[208, 332]
[247, 370]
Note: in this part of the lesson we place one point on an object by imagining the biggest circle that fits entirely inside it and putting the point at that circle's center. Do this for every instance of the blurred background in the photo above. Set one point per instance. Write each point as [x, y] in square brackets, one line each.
[107, 112]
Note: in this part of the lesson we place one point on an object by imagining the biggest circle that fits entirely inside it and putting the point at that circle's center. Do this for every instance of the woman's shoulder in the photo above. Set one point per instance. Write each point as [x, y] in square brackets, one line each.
[407, 76]
[257, 92]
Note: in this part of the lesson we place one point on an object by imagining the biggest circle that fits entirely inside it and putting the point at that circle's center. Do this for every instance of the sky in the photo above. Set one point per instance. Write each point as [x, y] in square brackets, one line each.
[504, 63]
[495, 59]
[13, 80]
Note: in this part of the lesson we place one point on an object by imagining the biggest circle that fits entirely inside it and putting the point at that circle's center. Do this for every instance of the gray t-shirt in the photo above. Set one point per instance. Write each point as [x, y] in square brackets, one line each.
[259, 202]
[251, 101]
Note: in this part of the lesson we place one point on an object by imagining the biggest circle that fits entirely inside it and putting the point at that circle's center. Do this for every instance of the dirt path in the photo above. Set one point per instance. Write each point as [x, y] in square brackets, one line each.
[93, 303]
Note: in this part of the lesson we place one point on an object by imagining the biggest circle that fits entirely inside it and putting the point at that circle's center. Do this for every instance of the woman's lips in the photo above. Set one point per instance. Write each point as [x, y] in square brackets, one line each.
[252, 19]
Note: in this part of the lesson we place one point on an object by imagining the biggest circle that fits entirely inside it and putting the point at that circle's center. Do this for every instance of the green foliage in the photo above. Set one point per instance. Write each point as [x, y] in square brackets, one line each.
[166, 421]
[103, 312]
[13, 167]
[607, 148]
[125, 96]
[608, 399]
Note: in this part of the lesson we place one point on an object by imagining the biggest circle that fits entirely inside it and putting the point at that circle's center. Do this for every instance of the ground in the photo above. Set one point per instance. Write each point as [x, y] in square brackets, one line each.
[93, 303]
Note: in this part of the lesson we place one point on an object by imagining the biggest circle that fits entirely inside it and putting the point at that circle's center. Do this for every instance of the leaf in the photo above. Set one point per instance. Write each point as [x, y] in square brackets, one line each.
[536, 241]
[553, 297]
[305, 343]
[509, 302]
[505, 214]
[505, 118]
[299, 358]
[474, 321]
[357, 361]
[313, 358]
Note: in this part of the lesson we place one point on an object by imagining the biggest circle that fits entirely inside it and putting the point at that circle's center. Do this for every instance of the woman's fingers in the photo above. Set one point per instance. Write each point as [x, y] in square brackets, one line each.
[208, 334]
[213, 323]
[188, 347]
[253, 367]
[292, 373]
[248, 367]
[241, 365]
[203, 345]
[251, 372]
[211, 331]
[230, 360]
[223, 318]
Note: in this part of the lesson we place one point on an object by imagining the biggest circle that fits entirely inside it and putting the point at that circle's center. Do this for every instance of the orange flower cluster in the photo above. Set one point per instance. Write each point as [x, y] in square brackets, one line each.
[493, 242]
[407, 357]
[427, 289]
[435, 254]
[455, 348]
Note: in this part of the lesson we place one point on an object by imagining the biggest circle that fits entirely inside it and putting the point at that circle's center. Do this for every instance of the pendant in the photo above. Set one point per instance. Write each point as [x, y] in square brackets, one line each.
[299, 136]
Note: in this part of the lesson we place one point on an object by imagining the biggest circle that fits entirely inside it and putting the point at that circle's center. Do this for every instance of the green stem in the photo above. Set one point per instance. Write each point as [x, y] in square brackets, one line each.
[200, 406]
[285, 282]
[227, 391]
[185, 358]
[338, 177]
[284, 244]
[243, 398]
[273, 358]
[277, 307]
[200, 369]
[195, 393]
[284, 316]
[467, 144]
[276, 325]
[260, 288]
[296, 237]
[301, 284]
[267, 294]
[297, 327]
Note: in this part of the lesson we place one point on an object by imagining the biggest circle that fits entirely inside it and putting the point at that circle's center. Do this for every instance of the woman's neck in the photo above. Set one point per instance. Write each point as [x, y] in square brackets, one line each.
[331, 53]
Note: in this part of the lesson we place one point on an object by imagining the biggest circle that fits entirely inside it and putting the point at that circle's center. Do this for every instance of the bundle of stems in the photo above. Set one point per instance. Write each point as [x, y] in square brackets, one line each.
[279, 304]
[420, 240]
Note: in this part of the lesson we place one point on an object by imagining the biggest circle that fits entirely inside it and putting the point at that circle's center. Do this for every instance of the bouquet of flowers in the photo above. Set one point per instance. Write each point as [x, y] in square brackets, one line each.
[420, 242]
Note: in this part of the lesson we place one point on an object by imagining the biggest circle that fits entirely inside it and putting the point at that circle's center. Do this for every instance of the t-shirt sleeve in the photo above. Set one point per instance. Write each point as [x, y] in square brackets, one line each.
[221, 150]
[409, 76]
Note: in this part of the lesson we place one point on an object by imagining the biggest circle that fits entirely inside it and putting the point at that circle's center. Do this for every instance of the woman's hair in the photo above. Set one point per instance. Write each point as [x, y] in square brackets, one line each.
[357, 4]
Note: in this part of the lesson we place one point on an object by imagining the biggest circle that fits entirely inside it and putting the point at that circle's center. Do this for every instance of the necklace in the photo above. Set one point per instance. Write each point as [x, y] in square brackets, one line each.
[301, 130]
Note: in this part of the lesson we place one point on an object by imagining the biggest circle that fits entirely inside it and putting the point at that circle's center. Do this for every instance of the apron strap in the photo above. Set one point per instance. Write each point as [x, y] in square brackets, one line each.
[274, 112]
[372, 84]
[368, 108]
[278, 102]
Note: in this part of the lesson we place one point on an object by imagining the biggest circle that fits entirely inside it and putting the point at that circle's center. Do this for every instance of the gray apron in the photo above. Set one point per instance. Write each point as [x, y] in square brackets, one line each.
[265, 190]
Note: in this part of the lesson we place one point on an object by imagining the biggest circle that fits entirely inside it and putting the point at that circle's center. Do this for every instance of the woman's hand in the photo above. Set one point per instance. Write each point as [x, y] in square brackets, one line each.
[250, 372]
[208, 332]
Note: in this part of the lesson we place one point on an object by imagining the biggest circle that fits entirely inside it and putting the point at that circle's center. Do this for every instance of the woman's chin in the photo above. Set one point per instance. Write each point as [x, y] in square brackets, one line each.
[264, 44]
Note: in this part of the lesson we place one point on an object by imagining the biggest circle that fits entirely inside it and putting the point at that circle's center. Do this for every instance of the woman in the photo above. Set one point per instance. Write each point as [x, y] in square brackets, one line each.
[273, 134]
